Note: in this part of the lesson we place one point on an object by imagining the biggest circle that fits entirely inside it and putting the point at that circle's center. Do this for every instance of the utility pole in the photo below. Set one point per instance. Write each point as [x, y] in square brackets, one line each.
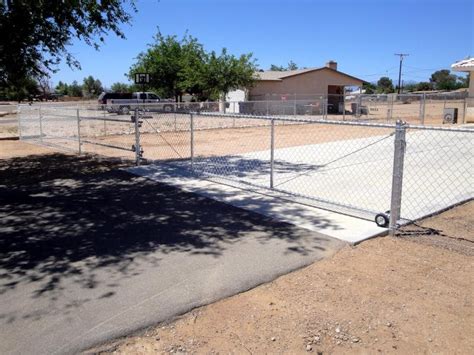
[401, 55]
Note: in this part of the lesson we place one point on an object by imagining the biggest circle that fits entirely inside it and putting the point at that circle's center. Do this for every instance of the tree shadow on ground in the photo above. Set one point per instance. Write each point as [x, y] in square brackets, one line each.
[65, 216]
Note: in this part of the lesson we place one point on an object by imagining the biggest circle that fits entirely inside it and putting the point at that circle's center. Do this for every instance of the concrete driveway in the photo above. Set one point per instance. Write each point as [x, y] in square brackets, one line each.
[89, 252]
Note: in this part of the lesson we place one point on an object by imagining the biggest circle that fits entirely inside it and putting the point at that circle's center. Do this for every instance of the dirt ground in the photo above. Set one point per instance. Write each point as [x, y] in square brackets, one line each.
[410, 294]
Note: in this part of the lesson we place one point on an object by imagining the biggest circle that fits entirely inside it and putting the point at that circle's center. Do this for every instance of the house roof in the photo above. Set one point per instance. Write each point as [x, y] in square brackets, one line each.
[464, 65]
[278, 75]
[271, 75]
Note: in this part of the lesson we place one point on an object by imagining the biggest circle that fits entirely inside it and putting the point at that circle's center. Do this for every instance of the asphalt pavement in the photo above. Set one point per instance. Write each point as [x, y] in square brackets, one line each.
[89, 252]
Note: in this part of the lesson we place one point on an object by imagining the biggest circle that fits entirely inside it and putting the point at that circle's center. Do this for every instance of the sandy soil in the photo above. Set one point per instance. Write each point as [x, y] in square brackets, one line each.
[11, 148]
[410, 294]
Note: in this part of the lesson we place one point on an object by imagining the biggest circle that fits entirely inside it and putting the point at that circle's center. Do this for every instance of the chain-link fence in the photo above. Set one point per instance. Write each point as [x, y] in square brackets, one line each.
[79, 130]
[400, 171]
[403, 172]
[415, 108]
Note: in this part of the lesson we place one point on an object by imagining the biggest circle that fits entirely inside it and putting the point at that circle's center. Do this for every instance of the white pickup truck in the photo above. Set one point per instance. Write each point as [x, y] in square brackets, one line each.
[124, 105]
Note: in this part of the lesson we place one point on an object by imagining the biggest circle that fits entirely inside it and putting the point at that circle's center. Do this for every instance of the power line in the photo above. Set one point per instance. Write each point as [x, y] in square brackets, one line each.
[401, 55]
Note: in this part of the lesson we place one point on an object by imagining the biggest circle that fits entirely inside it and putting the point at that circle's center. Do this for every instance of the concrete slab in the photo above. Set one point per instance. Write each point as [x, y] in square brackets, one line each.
[336, 225]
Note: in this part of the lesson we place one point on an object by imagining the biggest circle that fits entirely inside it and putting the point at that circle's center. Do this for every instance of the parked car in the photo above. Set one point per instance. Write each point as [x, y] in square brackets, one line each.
[123, 103]
[105, 96]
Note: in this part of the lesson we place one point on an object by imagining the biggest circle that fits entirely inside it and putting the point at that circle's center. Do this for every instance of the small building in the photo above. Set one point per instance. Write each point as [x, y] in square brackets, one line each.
[302, 84]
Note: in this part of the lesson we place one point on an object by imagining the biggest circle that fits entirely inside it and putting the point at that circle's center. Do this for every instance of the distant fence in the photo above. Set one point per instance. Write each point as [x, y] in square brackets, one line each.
[424, 109]
[420, 108]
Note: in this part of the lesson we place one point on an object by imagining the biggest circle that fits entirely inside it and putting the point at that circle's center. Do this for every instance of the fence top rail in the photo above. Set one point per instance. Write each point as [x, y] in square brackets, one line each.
[299, 120]
[335, 122]
[438, 128]
[91, 118]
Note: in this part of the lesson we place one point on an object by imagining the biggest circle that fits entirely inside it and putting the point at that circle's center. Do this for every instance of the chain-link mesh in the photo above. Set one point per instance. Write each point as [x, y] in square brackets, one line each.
[438, 170]
[341, 166]
[336, 166]
[165, 136]
[86, 129]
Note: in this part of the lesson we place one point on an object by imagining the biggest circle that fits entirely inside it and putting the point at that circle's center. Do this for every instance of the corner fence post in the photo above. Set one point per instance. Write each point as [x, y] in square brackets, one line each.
[79, 132]
[397, 175]
[20, 114]
[40, 115]
[137, 138]
[192, 139]
[464, 109]
[272, 151]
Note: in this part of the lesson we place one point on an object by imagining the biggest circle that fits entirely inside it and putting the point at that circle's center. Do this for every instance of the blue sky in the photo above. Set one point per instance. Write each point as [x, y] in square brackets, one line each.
[361, 35]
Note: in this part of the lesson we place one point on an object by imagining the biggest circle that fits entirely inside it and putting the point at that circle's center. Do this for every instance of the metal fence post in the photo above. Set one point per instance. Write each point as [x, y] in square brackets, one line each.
[359, 104]
[344, 104]
[20, 114]
[175, 120]
[79, 132]
[192, 140]
[40, 115]
[105, 126]
[294, 106]
[422, 108]
[397, 175]
[272, 150]
[464, 109]
[137, 139]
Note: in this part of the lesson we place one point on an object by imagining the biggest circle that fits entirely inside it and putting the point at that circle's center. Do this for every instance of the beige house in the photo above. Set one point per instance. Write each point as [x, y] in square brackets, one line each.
[303, 84]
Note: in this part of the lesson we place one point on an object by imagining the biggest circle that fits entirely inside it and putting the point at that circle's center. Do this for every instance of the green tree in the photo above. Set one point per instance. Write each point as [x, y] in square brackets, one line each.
[424, 86]
[75, 89]
[274, 67]
[34, 34]
[23, 89]
[444, 80]
[225, 72]
[385, 85]
[291, 66]
[176, 66]
[409, 86]
[91, 87]
[369, 88]
[62, 88]
[121, 87]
